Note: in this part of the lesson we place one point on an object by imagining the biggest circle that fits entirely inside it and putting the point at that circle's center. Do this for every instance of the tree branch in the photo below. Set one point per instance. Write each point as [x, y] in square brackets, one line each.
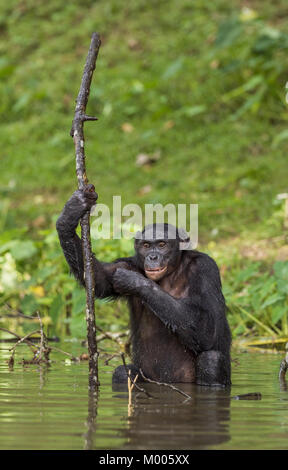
[77, 133]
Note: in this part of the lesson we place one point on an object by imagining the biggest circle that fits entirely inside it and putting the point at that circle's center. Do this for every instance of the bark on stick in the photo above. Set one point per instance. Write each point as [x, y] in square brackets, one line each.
[77, 133]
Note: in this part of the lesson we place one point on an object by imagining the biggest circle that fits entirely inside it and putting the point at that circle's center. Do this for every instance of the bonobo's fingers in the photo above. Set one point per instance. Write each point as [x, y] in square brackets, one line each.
[85, 199]
[79, 203]
[90, 194]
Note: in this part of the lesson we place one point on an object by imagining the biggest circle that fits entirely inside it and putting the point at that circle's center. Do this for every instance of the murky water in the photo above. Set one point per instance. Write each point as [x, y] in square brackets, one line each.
[49, 408]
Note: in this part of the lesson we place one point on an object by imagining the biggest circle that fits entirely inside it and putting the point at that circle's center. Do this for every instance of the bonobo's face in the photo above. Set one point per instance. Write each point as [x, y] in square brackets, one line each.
[158, 255]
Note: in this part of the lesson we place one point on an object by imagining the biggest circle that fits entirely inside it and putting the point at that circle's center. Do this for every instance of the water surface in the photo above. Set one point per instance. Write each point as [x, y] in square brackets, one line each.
[49, 408]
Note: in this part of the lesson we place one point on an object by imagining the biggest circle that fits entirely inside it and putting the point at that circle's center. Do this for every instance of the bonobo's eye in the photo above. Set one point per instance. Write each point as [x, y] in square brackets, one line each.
[162, 244]
[146, 245]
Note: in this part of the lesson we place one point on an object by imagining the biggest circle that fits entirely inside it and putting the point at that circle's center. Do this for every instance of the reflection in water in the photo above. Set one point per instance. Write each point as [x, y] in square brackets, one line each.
[50, 408]
[93, 396]
[43, 368]
[283, 385]
[283, 371]
[170, 422]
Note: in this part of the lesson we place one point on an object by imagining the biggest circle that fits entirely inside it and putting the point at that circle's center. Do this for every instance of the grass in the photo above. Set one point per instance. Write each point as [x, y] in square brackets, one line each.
[202, 84]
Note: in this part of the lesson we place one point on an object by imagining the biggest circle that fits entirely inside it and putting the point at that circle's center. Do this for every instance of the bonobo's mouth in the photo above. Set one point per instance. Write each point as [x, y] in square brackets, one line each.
[155, 273]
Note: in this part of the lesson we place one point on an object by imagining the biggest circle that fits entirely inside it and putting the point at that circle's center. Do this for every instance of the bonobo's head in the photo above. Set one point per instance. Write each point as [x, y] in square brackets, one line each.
[157, 249]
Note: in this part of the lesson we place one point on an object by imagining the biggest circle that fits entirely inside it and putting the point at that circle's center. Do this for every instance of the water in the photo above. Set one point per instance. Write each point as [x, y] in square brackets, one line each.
[49, 408]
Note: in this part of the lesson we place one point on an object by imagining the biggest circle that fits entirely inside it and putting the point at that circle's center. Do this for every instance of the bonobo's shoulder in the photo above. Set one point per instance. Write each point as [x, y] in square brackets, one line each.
[202, 260]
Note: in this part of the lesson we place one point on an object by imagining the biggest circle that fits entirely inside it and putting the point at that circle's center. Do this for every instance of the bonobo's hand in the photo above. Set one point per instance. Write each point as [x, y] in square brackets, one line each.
[80, 202]
[127, 282]
[83, 200]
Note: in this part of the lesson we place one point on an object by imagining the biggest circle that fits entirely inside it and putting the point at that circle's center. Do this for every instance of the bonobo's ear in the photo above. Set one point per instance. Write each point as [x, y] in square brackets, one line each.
[185, 243]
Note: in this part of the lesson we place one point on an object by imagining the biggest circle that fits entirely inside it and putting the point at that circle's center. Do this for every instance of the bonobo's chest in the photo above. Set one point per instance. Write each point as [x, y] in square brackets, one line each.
[156, 349]
[177, 288]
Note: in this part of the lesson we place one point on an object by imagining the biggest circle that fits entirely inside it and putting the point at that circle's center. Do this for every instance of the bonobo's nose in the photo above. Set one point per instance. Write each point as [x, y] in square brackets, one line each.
[152, 257]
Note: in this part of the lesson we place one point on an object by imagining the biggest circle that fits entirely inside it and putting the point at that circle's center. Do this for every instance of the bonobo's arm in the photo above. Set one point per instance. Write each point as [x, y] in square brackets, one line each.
[198, 320]
[79, 203]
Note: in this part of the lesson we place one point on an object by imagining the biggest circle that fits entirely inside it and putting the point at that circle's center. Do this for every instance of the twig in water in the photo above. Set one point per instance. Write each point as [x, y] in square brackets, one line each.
[165, 385]
[131, 385]
[112, 336]
[38, 350]
[44, 348]
[21, 340]
[248, 396]
[109, 358]
[18, 338]
[133, 381]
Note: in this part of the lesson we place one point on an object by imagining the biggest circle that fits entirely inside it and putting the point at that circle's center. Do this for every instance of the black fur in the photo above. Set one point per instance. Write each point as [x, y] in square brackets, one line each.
[178, 321]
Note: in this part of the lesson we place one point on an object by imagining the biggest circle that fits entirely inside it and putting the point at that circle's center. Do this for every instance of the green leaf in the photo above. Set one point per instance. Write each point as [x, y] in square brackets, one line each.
[281, 274]
[255, 302]
[278, 312]
[6, 69]
[56, 307]
[78, 326]
[279, 138]
[228, 33]
[272, 300]
[247, 86]
[194, 110]
[240, 329]
[23, 249]
[173, 68]
[248, 273]
[29, 304]
[22, 102]
[42, 274]
[265, 43]
[265, 288]
[78, 301]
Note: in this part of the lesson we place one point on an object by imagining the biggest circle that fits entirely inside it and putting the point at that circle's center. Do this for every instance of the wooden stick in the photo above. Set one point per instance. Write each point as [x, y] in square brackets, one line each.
[21, 340]
[44, 349]
[18, 338]
[133, 381]
[77, 133]
[164, 384]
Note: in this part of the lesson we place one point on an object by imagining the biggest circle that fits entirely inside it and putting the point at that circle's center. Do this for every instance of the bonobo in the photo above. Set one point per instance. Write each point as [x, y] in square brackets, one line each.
[179, 330]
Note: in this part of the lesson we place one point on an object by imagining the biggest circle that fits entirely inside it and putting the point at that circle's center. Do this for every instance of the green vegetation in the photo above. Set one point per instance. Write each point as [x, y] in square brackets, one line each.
[199, 84]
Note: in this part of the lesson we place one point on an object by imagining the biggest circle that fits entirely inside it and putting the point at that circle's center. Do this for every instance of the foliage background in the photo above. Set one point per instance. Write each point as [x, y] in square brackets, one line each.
[198, 87]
